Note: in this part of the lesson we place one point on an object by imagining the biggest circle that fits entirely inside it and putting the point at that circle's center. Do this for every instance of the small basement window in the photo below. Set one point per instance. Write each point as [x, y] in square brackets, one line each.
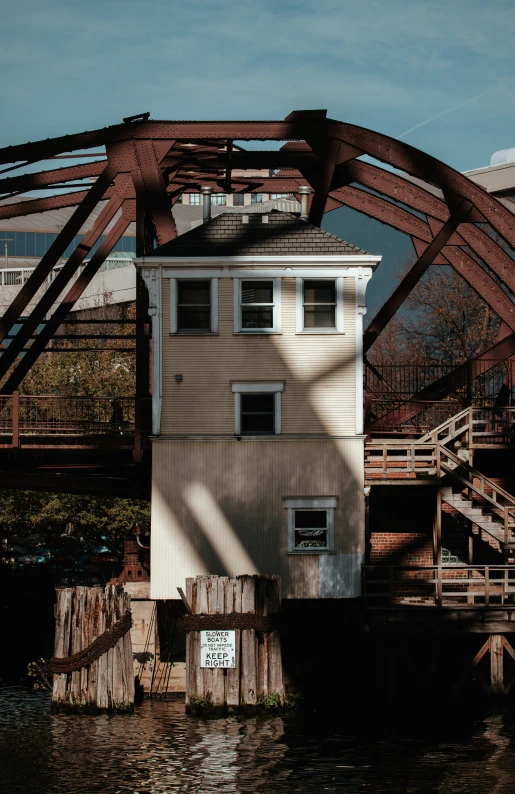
[320, 305]
[310, 525]
[193, 305]
[257, 408]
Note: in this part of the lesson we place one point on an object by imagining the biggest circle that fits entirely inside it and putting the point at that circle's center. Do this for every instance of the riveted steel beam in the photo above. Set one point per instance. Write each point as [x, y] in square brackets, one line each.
[58, 175]
[413, 276]
[398, 218]
[59, 315]
[55, 252]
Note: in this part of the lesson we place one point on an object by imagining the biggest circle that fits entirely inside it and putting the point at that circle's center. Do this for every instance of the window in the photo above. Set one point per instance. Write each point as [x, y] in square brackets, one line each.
[320, 305]
[279, 195]
[257, 408]
[218, 199]
[256, 198]
[310, 525]
[193, 305]
[194, 198]
[238, 199]
[257, 305]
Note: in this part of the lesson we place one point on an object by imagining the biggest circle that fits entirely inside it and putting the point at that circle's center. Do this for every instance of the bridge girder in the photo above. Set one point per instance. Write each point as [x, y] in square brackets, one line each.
[148, 164]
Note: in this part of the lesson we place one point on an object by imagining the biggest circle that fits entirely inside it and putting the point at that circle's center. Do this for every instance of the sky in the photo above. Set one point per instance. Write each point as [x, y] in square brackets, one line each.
[389, 65]
[438, 74]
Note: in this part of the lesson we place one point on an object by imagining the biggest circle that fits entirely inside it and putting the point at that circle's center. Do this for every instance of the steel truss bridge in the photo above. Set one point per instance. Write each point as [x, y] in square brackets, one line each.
[144, 168]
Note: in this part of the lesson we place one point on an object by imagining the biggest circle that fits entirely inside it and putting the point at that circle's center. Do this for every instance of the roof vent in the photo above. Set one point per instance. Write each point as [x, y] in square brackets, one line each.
[206, 203]
[304, 191]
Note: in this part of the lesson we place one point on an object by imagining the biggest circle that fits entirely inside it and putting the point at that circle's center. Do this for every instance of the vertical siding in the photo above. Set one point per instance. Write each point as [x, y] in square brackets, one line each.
[319, 371]
[217, 507]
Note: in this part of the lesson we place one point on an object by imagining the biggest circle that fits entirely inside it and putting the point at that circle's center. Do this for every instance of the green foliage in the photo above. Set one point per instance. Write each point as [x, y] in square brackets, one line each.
[61, 525]
[65, 529]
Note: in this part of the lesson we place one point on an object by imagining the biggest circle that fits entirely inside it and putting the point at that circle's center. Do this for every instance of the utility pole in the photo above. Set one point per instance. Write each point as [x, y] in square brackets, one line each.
[6, 241]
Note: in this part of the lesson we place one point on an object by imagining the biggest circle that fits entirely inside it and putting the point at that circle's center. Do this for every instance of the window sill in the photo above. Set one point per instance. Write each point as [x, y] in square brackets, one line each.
[259, 332]
[194, 333]
[306, 551]
[320, 332]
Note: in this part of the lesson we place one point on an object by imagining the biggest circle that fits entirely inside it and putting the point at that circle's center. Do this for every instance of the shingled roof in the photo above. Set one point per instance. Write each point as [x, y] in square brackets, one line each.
[235, 234]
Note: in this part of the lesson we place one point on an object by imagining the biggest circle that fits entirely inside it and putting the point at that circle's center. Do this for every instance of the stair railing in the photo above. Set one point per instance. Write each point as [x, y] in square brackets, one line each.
[457, 424]
[465, 474]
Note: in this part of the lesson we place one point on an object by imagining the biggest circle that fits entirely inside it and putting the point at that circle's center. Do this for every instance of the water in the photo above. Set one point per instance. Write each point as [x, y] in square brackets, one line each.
[159, 750]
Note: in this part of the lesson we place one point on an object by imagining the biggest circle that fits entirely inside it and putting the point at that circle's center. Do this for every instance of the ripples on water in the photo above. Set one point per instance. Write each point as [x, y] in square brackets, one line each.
[159, 750]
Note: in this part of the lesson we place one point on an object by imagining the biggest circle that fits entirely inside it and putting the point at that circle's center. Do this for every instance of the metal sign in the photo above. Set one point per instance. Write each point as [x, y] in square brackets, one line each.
[218, 649]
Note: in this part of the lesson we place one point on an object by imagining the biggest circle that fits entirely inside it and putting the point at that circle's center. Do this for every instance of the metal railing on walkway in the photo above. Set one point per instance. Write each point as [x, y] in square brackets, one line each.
[25, 416]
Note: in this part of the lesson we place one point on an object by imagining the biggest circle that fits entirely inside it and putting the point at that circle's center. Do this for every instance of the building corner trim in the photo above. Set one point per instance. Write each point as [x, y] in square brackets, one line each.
[152, 276]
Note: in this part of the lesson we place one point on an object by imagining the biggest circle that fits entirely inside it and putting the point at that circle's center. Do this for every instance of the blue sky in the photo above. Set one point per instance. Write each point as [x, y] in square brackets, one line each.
[437, 73]
[69, 65]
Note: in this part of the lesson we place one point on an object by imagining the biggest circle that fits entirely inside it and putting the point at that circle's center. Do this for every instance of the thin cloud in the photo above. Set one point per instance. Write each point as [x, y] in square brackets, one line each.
[444, 113]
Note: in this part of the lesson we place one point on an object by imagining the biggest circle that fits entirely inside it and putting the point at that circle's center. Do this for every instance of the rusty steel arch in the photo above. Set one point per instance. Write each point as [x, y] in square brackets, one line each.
[148, 164]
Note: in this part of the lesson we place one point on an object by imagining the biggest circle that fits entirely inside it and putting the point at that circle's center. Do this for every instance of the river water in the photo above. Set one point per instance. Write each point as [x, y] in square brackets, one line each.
[159, 750]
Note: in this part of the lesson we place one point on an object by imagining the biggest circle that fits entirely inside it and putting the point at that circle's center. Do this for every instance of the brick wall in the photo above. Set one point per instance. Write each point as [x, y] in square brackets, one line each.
[401, 548]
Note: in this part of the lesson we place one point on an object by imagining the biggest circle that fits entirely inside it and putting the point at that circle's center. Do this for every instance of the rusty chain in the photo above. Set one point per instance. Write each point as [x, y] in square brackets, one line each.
[233, 620]
[102, 644]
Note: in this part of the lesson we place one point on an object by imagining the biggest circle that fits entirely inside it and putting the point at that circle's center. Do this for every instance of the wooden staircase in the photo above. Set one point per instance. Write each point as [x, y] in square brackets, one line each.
[488, 507]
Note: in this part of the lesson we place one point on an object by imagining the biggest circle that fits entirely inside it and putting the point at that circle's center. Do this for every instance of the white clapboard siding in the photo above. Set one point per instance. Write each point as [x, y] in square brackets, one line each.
[319, 371]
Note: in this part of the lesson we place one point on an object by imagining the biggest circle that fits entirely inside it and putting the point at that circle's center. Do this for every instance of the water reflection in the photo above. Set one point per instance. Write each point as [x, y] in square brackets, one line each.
[159, 751]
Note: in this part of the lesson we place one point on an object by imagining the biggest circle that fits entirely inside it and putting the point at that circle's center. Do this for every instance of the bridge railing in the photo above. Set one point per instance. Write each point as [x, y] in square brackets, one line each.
[27, 415]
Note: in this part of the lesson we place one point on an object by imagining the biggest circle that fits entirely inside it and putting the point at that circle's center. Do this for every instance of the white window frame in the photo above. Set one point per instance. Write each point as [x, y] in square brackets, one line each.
[339, 320]
[257, 388]
[327, 503]
[197, 201]
[276, 328]
[213, 283]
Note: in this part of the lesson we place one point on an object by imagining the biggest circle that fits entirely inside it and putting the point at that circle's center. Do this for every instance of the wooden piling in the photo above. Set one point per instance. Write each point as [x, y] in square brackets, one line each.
[258, 672]
[82, 615]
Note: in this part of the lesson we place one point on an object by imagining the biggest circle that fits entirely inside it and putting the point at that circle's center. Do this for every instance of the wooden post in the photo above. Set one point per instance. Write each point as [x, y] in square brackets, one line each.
[15, 443]
[82, 615]
[496, 664]
[437, 529]
[258, 672]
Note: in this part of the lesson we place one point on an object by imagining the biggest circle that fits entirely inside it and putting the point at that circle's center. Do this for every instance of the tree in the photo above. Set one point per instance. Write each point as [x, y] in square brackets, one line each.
[442, 320]
[64, 529]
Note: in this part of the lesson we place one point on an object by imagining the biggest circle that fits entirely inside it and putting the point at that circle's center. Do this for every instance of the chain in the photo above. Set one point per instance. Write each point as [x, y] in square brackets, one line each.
[102, 644]
[233, 620]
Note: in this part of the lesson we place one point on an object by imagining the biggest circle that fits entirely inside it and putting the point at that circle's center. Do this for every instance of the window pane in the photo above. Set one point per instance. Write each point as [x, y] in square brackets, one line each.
[30, 243]
[257, 317]
[257, 423]
[238, 199]
[218, 199]
[257, 403]
[256, 198]
[257, 292]
[197, 292]
[193, 318]
[310, 519]
[257, 413]
[319, 292]
[319, 317]
[194, 198]
[311, 539]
